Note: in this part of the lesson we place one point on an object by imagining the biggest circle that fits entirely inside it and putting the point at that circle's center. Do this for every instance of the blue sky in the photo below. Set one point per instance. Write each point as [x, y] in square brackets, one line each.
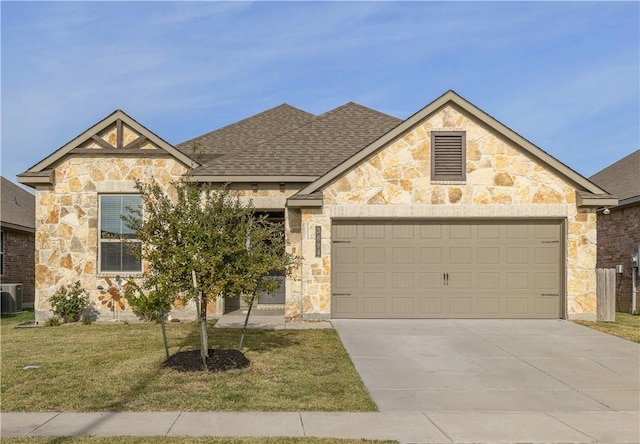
[565, 75]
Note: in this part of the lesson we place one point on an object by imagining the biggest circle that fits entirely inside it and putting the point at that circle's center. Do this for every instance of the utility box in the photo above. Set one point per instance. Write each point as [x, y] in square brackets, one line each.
[10, 298]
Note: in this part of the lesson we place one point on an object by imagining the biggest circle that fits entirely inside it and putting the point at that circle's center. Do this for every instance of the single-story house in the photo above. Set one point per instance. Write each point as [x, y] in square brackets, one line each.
[447, 214]
[619, 231]
[17, 241]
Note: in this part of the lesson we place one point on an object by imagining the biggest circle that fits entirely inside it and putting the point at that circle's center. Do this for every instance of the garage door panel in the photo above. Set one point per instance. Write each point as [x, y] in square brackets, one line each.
[517, 280]
[489, 232]
[403, 306]
[373, 232]
[431, 255]
[488, 280]
[402, 231]
[374, 280]
[509, 269]
[345, 232]
[431, 280]
[457, 231]
[374, 305]
[517, 256]
[488, 255]
[402, 280]
[345, 305]
[545, 256]
[460, 255]
[402, 255]
[430, 231]
[517, 231]
[431, 306]
[489, 306]
[460, 306]
[346, 280]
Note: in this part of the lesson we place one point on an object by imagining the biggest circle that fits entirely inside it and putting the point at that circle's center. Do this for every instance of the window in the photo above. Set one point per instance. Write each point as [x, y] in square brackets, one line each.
[117, 255]
[2, 245]
[448, 155]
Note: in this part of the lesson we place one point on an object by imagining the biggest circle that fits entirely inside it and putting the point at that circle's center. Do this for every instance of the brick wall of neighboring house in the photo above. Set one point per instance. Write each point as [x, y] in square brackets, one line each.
[19, 261]
[618, 239]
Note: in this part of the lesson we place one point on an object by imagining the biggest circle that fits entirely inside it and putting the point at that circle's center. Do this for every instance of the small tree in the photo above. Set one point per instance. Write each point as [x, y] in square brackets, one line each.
[206, 230]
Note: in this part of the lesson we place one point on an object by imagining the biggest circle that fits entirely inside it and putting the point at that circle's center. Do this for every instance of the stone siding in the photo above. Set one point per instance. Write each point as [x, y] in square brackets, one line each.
[67, 221]
[618, 239]
[502, 181]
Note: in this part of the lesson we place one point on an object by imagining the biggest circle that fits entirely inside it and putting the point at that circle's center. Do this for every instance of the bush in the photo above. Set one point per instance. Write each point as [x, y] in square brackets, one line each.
[147, 305]
[70, 302]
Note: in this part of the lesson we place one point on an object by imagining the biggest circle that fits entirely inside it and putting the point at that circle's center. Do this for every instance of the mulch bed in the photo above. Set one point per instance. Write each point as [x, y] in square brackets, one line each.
[219, 361]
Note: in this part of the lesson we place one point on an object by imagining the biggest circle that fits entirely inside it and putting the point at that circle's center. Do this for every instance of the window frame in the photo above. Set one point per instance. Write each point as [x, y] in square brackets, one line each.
[462, 177]
[101, 239]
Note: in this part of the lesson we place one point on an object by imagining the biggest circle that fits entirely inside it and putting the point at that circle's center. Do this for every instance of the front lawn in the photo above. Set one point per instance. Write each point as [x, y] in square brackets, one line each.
[626, 326]
[118, 367]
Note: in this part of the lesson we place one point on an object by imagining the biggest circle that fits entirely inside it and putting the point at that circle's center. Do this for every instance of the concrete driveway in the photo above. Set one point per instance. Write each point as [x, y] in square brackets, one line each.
[493, 366]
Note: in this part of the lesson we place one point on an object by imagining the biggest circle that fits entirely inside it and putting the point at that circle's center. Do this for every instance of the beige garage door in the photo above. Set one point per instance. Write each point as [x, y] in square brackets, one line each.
[426, 269]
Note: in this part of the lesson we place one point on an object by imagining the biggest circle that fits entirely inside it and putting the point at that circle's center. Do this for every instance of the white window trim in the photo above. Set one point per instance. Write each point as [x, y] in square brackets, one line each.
[99, 270]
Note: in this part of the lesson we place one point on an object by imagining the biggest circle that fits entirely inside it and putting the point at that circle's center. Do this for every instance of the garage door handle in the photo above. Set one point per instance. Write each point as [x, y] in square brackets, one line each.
[549, 294]
[445, 277]
[341, 294]
[341, 242]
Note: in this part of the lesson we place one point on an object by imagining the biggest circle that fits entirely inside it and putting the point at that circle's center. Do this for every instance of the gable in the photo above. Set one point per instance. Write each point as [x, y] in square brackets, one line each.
[401, 160]
[117, 135]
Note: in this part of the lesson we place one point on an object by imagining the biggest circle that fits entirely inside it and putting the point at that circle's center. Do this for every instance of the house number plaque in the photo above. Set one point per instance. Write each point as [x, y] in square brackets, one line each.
[318, 241]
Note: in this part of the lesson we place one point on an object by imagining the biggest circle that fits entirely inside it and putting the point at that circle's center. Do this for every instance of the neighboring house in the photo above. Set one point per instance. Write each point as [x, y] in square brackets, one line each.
[17, 243]
[619, 231]
[448, 213]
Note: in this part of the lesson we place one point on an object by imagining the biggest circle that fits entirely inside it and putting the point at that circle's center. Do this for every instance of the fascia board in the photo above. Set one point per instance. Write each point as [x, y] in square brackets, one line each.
[249, 179]
[100, 126]
[37, 179]
[304, 203]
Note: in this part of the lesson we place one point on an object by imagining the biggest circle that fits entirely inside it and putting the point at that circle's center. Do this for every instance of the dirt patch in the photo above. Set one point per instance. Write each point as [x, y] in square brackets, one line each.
[219, 361]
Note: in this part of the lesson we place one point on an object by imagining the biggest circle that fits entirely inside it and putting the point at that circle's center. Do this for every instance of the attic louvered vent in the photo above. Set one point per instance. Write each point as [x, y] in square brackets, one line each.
[448, 155]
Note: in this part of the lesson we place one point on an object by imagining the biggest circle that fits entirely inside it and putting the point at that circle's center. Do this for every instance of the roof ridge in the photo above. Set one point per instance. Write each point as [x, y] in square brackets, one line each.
[238, 122]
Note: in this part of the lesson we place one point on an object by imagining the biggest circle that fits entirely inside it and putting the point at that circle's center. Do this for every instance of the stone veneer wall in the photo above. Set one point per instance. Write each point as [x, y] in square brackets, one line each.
[67, 221]
[501, 182]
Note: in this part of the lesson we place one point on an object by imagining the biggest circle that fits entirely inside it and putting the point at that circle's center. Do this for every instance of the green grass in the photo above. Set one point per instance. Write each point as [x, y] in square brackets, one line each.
[626, 326]
[118, 367]
[185, 440]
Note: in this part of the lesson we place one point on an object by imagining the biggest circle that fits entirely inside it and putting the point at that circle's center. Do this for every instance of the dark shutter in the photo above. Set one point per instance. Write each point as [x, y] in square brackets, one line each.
[448, 160]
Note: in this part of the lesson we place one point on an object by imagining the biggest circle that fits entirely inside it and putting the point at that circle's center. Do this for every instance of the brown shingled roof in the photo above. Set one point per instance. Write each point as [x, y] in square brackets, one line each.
[18, 207]
[310, 149]
[246, 133]
[621, 178]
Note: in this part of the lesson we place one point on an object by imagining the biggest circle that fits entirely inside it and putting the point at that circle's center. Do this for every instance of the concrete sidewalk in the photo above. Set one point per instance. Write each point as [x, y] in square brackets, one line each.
[405, 427]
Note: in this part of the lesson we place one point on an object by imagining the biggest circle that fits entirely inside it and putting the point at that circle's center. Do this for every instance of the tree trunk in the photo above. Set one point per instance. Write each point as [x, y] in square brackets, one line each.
[204, 336]
[201, 311]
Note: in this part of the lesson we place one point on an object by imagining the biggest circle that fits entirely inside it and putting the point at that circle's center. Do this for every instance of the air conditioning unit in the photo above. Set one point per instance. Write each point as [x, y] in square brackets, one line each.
[10, 298]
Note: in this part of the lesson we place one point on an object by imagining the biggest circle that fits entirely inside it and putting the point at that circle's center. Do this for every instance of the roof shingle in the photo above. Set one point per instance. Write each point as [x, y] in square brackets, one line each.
[310, 149]
[18, 208]
[621, 178]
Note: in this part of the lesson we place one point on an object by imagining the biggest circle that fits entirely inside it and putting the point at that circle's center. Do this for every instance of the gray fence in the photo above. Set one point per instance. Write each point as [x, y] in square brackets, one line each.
[606, 294]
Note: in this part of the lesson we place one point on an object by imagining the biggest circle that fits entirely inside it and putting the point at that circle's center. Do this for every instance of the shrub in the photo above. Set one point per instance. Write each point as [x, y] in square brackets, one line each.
[53, 322]
[69, 302]
[147, 305]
